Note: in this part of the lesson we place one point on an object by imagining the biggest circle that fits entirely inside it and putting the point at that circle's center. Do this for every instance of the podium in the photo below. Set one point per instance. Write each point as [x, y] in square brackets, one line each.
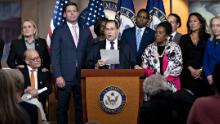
[112, 96]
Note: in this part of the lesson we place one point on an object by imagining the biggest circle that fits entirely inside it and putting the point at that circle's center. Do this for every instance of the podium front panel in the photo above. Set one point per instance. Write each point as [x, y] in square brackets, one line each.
[131, 89]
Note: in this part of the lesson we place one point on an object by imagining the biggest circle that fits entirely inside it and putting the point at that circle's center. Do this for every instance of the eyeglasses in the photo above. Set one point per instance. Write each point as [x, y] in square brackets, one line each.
[35, 59]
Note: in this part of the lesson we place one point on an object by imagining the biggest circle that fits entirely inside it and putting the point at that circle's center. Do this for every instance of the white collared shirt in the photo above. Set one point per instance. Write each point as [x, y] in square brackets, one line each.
[35, 76]
[71, 28]
[173, 35]
[108, 44]
[142, 30]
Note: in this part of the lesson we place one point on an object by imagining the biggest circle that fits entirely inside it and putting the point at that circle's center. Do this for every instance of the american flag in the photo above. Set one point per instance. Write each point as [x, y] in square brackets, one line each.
[57, 18]
[93, 12]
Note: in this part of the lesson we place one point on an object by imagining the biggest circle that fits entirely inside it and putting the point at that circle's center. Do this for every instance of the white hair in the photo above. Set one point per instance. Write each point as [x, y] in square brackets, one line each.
[154, 84]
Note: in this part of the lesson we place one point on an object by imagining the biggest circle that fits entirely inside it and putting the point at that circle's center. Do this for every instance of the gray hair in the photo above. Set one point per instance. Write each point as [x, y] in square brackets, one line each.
[154, 84]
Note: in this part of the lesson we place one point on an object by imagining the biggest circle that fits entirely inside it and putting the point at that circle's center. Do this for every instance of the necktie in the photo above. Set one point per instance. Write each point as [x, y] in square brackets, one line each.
[138, 38]
[171, 38]
[112, 66]
[32, 79]
[112, 45]
[75, 36]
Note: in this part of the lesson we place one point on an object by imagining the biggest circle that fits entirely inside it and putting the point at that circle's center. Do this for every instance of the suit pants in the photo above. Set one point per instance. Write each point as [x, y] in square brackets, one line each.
[64, 95]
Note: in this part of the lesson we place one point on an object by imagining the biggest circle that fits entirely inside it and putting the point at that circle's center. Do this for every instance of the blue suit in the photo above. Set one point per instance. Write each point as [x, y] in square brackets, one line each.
[129, 37]
[67, 60]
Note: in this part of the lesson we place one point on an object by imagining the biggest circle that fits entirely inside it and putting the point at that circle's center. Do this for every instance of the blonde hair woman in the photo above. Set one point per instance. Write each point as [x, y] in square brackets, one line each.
[28, 40]
[212, 53]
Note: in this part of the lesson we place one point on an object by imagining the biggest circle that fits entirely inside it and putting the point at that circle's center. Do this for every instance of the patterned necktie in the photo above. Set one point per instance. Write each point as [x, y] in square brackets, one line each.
[112, 66]
[112, 45]
[75, 36]
[32, 79]
[138, 38]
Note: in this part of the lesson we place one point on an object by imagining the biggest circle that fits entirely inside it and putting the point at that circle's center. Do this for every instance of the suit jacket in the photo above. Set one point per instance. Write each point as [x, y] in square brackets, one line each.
[66, 58]
[1, 50]
[177, 37]
[18, 47]
[43, 79]
[126, 58]
[129, 37]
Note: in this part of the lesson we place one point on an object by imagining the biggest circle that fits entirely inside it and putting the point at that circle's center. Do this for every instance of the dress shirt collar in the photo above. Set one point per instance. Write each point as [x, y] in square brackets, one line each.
[142, 29]
[108, 44]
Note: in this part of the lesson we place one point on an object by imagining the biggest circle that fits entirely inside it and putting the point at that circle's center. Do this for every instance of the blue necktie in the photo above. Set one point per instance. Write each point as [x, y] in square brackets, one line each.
[138, 38]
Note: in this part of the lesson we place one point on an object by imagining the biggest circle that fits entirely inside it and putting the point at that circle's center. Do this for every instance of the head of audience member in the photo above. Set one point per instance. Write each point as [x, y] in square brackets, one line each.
[142, 18]
[32, 58]
[111, 30]
[196, 23]
[215, 27]
[18, 78]
[29, 29]
[10, 111]
[216, 78]
[71, 12]
[99, 27]
[155, 84]
[175, 21]
[162, 33]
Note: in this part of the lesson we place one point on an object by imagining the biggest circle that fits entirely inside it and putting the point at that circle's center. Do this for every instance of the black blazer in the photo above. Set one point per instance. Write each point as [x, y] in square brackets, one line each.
[126, 58]
[1, 50]
[43, 79]
[129, 37]
[18, 47]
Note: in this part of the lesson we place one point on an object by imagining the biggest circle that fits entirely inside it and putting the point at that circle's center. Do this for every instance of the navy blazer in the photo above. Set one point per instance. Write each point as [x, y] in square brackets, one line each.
[18, 47]
[43, 79]
[129, 37]
[66, 58]
[126, 58]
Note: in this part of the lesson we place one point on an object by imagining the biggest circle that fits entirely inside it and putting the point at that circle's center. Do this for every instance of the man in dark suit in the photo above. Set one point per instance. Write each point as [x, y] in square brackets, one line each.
[68, 53]
[175, 22]
[35, 77]
[126, 60]
[139, 36]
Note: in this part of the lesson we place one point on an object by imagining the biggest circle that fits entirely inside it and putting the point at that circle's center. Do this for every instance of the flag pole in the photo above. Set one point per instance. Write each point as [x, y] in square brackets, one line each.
[171, 8]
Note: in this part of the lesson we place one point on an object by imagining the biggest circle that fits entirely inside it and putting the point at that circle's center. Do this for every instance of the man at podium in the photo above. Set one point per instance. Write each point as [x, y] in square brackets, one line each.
[104, 54]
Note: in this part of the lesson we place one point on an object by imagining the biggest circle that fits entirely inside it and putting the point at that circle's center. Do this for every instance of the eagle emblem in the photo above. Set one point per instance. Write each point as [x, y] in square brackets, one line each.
[112, 100]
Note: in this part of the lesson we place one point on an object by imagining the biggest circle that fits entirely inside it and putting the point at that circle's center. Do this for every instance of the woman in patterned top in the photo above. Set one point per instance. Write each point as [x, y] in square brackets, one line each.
[163, 56]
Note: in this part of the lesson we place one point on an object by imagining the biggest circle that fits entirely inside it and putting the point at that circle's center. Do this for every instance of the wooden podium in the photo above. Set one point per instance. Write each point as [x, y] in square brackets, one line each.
[94, 82]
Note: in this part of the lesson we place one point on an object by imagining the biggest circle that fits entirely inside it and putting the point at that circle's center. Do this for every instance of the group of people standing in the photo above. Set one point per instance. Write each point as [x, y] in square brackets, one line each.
[185, 61]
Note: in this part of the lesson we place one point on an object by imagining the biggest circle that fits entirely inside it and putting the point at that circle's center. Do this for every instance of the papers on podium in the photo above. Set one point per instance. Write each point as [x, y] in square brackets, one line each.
[110, 56]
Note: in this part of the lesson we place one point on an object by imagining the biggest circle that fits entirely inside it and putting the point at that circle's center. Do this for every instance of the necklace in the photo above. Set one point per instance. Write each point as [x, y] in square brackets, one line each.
[161, 49]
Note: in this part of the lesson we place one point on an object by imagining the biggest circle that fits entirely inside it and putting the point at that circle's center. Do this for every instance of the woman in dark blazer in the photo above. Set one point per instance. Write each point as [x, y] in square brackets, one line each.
[193, 47]
[28, 40]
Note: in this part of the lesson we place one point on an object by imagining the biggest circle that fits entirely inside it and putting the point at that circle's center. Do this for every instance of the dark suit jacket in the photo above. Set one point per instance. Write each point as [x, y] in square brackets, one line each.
[177, 37]
[126, 58]
[129, 37]
[66, 59]
[43, 79]
[18, 47]
[1, 50]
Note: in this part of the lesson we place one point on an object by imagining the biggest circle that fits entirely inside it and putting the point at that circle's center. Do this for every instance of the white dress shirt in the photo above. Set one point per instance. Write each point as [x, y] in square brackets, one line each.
[108, 44]
[71, 28]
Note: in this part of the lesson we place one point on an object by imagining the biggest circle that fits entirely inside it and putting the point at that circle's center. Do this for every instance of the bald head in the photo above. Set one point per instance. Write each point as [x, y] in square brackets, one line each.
[32, 58]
